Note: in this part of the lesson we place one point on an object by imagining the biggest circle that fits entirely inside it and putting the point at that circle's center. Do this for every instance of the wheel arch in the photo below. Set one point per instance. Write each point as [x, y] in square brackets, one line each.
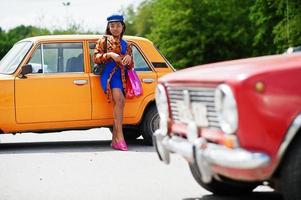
[149, 105]
[291, 137]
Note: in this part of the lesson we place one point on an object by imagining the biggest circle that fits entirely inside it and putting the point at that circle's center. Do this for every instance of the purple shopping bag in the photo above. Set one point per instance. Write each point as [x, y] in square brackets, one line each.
[135, 82]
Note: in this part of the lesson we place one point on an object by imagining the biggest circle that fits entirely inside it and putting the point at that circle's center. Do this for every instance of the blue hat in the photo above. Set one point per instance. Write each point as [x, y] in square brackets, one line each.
[115, 18]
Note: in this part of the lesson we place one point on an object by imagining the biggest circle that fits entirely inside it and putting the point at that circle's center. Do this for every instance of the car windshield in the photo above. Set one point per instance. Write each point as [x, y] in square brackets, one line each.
[14, 57]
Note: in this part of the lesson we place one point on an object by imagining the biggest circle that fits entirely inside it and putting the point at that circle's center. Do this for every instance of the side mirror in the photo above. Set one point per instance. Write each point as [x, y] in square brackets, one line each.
[26, 69]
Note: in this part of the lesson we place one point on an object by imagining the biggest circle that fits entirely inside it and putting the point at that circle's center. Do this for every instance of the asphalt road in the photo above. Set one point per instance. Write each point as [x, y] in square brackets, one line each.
[80, 165]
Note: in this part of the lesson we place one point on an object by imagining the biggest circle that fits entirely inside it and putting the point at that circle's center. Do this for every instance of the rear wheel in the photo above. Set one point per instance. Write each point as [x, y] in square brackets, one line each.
[130, 132]
[150, 124]
[225, 187]
[291, 173]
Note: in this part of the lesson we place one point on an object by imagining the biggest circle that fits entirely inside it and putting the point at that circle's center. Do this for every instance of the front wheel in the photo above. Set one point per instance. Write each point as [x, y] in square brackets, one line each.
[224, 187]
[150, 124]
[130, 132]
[290, 172]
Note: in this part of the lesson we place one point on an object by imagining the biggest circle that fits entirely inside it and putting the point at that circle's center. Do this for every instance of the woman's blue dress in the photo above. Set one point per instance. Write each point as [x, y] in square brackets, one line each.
[116, 81]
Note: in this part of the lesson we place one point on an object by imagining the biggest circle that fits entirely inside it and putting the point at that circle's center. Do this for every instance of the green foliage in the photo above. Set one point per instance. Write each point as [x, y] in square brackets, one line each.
[20, 32]
[263, 16]
[129, 14]
[288, 30]
[192, 32]
[144, 18]
[139, 21]
[3, 43]
[278, 24]
[8, 39]
[178, 37]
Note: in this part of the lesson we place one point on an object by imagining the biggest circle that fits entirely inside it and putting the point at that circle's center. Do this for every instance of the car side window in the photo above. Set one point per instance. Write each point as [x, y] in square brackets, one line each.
[35, 61]
[58, 58]
[139, 62]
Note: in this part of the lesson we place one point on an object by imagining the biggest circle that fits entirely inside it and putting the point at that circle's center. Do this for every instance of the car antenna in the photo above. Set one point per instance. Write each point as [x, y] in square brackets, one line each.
[287, 24]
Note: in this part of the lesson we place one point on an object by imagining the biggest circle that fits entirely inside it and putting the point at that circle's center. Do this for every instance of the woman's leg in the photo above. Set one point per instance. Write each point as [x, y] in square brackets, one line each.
[118, 107]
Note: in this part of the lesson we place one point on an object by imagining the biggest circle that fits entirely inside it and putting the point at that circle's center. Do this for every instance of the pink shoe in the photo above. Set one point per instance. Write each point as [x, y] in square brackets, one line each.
[120, 145]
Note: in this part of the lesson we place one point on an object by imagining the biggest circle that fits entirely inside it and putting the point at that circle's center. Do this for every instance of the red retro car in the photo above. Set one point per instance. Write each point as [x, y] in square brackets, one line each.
[237, 123]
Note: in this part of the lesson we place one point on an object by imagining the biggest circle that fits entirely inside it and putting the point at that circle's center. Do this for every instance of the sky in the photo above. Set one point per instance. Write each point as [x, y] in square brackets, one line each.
[52, 14]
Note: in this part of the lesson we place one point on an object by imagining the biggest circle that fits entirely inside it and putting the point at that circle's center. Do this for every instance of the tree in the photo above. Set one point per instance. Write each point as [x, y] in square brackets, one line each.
[7, 40]
[262, 15]
[193, 32]
[130, 16]
[3, 43]
[21, 32]
[139, 21]
[277, 23]
[288, 30]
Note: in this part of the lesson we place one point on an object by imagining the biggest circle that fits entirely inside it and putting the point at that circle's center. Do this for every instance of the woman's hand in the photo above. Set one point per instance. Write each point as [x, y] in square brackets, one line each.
[115, 57]
[126, 60]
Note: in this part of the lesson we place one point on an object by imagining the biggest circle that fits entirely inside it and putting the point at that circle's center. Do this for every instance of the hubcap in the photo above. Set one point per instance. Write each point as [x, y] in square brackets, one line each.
[154, 125]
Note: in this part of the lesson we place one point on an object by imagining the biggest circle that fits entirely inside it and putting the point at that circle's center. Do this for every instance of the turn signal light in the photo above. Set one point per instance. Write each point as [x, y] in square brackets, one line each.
[230, 141]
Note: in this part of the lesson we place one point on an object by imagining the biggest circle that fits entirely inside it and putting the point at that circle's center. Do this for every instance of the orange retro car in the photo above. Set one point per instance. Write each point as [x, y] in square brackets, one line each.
[47, 85]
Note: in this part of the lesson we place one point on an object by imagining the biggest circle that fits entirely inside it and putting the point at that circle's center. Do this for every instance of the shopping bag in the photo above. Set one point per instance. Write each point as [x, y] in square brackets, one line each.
[135, 82]
[129, 93]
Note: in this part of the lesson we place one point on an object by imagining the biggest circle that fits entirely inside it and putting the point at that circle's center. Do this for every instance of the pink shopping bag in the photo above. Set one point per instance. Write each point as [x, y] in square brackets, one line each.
[135, 82]
[129, 93]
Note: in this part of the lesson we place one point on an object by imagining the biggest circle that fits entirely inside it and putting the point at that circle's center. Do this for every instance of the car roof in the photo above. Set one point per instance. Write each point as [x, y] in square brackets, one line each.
[76, 37]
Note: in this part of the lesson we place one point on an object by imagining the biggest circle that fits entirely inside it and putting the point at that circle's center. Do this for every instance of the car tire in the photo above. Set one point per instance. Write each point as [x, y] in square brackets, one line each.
[150, 124]
[290, 173]
[130, 132]
[224, 188]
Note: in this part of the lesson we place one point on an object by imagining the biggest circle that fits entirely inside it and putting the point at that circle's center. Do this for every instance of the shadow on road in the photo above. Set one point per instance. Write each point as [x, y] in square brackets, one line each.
[252, 196]
[69, 146]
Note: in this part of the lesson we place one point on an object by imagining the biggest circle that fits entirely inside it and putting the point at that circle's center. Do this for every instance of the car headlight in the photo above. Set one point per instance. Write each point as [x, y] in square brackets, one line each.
[162, 106]
[226, 108]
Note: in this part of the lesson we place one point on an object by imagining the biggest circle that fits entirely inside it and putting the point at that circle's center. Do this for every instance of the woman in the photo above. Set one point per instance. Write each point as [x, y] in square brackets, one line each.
[118, 57]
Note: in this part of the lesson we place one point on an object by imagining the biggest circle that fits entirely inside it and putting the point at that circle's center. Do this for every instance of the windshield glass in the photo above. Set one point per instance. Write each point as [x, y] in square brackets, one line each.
[13, 58]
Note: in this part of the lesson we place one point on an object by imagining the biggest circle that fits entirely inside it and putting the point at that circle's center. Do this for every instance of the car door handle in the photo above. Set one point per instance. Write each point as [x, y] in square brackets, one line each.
[80, 82]
[148, 80]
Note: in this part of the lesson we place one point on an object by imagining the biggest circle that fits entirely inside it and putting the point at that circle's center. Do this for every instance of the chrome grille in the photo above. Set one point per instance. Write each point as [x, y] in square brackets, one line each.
[196, 94]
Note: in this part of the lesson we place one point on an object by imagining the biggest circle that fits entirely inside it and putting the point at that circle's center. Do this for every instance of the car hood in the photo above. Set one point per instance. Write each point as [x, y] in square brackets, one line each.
[234, 70]
[5, 76]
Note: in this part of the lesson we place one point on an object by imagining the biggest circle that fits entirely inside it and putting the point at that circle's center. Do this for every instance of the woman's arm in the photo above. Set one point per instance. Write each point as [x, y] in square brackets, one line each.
[128, 58]
[99, 55]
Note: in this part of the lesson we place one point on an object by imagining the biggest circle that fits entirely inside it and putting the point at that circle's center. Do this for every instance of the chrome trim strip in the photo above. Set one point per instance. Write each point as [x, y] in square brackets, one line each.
[148, 80]
[201, 162]
[179, 145]
[80, 82]
[188, 95]
[42, 57]
[235, 158]
[290, 134]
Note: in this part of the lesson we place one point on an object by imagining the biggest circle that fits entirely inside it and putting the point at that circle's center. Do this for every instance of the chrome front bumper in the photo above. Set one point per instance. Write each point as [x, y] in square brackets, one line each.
[204, 154]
